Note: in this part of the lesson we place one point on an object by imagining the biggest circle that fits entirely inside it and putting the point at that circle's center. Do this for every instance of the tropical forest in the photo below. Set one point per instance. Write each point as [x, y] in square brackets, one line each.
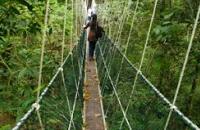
[145, 74]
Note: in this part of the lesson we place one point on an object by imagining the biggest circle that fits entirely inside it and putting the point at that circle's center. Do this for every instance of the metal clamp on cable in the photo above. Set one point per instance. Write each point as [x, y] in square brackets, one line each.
[61, 69]
[173, 107]
[139, 71]
[36, 106]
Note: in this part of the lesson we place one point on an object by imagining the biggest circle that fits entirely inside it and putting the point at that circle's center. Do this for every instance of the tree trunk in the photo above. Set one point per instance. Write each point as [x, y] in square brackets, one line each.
[192, 91]
[189, 104]
[170, 3]
[162, 5]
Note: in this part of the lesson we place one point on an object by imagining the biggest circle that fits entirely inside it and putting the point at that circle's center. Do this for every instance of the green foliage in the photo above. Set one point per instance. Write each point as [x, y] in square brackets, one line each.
[170, 35]
[5, 127]
[21, 22]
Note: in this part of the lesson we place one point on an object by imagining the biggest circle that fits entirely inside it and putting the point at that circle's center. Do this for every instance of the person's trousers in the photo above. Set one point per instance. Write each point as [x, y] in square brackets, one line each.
[91, 48]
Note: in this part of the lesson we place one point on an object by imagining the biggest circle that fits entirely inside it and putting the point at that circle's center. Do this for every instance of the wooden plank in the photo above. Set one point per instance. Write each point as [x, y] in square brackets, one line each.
[93, 109]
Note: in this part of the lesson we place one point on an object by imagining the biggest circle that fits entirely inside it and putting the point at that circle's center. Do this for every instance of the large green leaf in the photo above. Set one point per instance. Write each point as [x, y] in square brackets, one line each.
[14, 10]
[2, 2]
[27, 4]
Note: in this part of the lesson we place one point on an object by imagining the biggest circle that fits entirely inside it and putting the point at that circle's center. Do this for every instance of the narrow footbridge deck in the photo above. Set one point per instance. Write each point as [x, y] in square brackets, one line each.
[60, 105]
[93, 108]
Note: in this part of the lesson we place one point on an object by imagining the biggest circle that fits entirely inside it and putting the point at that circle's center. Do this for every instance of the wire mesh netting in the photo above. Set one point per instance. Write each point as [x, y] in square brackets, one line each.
[61, 102]
[145, 109]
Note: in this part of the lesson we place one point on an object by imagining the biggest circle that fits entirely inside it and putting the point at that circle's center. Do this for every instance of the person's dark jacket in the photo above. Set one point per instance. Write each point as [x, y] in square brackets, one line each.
[95, 31]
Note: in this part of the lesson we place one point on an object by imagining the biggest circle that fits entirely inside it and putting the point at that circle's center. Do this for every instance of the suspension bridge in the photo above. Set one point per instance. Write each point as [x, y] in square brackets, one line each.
[86, 94]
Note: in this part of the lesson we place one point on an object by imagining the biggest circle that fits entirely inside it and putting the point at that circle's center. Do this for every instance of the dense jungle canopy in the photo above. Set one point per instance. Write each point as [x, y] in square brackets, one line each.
[21, 23]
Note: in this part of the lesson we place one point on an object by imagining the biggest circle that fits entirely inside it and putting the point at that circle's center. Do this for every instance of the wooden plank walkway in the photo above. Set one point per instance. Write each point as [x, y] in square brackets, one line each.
[93, 108]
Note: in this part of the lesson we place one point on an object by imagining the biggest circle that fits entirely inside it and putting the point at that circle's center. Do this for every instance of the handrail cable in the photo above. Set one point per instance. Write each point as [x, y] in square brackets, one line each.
[183, 68]
[62, 56]
[36, 106]
[143, 54]
[77, 83]
[31, 110]
[114, 89]
[126, 48]
[160, 95]
[72, 40]
[75, 99]
[41, 61]
[116, 40]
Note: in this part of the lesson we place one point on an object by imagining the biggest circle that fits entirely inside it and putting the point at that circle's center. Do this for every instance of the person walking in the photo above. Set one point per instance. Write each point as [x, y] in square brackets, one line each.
[92, 35]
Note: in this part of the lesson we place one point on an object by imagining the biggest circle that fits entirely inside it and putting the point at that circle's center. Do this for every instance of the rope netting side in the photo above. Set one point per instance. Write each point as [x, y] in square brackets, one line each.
[126, 48]
[54, 105]
[100, 54]
[44, 34]
[184, 67]
[148, 108]
[117, 38]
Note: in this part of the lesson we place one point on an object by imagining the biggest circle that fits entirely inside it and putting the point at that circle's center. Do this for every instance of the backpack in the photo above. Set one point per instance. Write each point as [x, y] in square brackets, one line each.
[95, 33]
[99, 32]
